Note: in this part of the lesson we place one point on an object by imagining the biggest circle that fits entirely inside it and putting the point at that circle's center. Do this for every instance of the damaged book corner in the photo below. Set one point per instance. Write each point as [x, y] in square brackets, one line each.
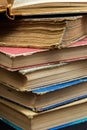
[42, 32]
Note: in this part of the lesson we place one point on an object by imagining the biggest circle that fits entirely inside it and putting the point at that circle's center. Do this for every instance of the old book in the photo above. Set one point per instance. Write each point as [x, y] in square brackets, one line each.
[28, 120]
[49, 97]
[54, 32]
[28, 79]
[35, 7]
[18, 58]
[77, 124]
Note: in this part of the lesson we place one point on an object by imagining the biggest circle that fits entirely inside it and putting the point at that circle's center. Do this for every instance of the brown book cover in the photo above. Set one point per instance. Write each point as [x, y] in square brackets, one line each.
[48, 97]
[30, 78]
[29, 120]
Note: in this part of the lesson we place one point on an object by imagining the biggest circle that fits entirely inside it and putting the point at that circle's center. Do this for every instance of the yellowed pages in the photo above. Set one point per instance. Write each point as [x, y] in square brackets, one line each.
[41, 3]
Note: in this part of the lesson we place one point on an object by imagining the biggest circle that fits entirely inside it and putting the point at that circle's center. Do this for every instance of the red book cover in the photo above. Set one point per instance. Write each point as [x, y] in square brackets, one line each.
[81, 42]
[17, 51]
[14, 52]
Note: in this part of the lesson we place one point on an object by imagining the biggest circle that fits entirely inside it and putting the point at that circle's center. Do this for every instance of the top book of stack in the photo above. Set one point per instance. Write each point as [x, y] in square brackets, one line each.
[39, 7]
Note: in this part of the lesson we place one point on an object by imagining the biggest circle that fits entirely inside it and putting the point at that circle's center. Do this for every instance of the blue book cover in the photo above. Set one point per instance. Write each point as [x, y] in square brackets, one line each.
[53, 87]
[69, 124]
[62, 103]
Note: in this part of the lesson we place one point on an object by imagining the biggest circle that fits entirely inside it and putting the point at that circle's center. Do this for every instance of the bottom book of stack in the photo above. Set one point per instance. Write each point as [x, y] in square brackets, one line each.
[51, 119]
[77, 124]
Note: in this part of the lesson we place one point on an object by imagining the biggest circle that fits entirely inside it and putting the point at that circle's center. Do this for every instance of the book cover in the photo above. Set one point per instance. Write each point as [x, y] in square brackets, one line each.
[54, 128]
[56, 117]
[20, 51]
[28, 79]
[47, 89]
[18, 58]
[69, 124]
[57, 95]
[53, 87]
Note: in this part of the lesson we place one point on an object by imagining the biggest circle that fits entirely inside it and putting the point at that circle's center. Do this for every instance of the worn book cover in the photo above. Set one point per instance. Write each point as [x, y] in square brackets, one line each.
[13, 58]
[30, 78]
[43, 120]
[57, 95]
[70, 124]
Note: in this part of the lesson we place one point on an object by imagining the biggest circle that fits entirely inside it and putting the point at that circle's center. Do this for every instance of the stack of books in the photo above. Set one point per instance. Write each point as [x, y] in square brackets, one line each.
[43, 60]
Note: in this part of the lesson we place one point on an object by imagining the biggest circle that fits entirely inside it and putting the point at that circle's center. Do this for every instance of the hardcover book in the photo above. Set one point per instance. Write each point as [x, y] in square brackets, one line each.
[13, 58]
[29, 120]
[80, 123]
[54, 32]
[48, 97]
[28, 79]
